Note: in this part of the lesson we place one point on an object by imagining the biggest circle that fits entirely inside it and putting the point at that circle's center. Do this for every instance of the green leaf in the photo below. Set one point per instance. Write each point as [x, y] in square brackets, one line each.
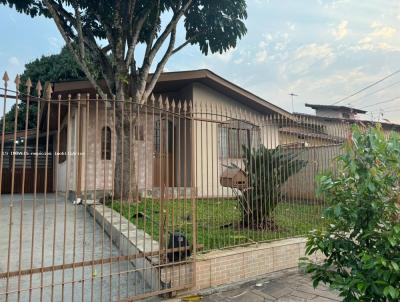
[395, 266]
[390, 290]
[392, 241]
[315, 283]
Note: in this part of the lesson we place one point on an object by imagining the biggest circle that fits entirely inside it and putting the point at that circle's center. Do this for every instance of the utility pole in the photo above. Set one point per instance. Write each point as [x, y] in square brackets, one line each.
[292, 95]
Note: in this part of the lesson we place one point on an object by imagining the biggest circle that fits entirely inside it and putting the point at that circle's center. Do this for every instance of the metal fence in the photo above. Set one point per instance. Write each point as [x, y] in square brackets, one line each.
[111, 200]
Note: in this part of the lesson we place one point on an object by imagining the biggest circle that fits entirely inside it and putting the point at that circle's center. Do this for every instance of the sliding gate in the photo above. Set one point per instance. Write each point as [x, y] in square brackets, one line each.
[96, 200]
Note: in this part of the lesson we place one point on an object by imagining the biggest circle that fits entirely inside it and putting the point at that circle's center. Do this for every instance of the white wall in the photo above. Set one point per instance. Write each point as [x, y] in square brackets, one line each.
[64, 183]
[210, 109]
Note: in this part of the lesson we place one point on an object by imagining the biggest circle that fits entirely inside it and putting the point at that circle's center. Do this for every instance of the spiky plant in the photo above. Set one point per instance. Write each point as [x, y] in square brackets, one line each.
[267, 170]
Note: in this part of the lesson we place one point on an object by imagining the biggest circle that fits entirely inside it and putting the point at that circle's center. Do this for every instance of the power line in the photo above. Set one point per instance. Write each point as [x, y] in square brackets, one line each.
[383, 102]
[367, 87]
[376, 91]
[387, 111]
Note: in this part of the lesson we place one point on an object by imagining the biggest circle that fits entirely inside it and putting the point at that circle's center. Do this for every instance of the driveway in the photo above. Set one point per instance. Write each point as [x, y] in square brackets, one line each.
[50, 223]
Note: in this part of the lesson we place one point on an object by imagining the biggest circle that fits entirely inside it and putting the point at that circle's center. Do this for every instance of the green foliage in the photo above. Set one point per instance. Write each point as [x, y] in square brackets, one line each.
[296, 219]
[60, 67]
[267, 170]
[361, 244]
[53, 68]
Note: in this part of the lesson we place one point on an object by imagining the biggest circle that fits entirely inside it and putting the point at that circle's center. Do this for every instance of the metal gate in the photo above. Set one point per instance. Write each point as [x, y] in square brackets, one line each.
[69, 229]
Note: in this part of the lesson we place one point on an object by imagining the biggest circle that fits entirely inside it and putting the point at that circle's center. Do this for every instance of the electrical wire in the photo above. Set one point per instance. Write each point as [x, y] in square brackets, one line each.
[383, 102]
[372, 93]
[367, 87]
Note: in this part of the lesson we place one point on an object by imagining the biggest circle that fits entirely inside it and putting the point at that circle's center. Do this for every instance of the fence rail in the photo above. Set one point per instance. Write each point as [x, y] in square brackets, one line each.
[112, 200]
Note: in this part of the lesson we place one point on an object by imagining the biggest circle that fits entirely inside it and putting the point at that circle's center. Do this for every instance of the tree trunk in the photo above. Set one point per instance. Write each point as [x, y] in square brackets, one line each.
[125, 177]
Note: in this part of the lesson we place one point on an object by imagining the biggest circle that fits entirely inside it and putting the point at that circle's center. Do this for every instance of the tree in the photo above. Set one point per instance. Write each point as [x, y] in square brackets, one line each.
[60, 67]
[107, 33]
[361, 242]
[267, 170]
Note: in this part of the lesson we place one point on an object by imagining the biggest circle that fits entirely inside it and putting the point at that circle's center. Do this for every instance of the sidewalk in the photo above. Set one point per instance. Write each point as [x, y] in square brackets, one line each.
[288, 285]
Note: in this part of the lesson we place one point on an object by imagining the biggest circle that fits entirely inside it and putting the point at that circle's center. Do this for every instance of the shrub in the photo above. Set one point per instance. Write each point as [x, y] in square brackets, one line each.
[361, 241]
[267, 170]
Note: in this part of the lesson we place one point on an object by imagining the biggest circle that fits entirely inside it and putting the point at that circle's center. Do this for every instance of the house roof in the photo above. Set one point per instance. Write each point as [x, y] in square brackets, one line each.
[385, 125]
[309, 134]
[174, 81]
[336, 108]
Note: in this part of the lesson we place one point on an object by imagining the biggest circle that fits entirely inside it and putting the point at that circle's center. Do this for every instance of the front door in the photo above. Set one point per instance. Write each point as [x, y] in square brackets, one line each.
[163, 165]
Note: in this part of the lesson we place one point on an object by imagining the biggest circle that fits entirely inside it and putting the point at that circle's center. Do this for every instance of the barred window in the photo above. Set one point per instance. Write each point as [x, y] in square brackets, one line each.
[234, 136]
[106, 143]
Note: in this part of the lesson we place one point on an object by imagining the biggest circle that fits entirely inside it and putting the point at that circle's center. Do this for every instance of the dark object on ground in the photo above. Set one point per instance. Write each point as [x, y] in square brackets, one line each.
[178, 240]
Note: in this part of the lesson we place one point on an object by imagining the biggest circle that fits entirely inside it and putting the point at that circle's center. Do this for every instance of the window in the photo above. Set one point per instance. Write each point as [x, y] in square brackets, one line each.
[106, 143]
[139, 133]
[163, 131]
[234, 136]
[62, 157]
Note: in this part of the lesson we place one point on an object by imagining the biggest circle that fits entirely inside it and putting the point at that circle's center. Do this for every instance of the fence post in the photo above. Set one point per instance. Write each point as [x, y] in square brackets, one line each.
[192, 193]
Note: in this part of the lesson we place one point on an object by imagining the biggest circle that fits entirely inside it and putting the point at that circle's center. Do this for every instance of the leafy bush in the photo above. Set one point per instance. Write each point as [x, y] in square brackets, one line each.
[361, 242]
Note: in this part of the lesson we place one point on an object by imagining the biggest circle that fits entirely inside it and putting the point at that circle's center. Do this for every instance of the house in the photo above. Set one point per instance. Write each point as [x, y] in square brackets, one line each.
[329, 126]
[182, 138]
[319, 138]
[332, 111]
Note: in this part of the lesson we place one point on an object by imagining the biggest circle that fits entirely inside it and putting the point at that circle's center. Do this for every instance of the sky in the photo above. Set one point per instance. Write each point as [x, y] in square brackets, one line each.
[321, 50]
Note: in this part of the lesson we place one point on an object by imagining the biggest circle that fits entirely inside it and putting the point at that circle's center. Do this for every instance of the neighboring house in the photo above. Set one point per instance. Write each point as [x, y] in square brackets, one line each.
[319, 138]
[177, 154]
[330, 125]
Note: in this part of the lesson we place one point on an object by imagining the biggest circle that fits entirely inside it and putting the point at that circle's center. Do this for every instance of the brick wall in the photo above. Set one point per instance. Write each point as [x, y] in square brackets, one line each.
[228, 266]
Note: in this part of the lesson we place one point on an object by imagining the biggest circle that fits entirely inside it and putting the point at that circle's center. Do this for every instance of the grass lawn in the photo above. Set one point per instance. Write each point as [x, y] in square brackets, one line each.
[293, 219]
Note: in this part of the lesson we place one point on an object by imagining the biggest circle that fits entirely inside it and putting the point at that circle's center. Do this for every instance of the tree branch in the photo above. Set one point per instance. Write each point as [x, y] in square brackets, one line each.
[188, 41]
[79, 30]
[63, 28]
[138, 25]
[171, 25]
[153, 32]
[141, 80]
[160, 66]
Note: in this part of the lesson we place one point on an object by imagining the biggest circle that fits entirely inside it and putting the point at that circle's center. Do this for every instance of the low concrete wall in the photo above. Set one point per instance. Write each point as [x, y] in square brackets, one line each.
[239, 264]
[131, 241]
[208, 270]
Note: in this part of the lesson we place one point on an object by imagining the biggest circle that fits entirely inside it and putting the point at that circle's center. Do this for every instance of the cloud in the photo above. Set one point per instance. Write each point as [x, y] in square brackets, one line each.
[341, 31]
[332, 4]
[226, 56]
[313, 50]
[262, 53]
[13, 61]
[291, 26]
[262, 56]
[382, 31]
[306, 58]
[272, 46]
[379, 39]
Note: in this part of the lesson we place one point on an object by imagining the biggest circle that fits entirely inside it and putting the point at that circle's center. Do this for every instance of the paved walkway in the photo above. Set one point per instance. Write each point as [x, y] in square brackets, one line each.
[288, 285]
[74, 236]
